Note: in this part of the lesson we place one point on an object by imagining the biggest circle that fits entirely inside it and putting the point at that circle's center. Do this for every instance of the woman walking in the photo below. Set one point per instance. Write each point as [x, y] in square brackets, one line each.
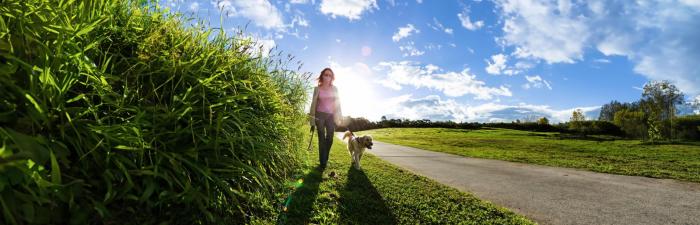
[325, 113]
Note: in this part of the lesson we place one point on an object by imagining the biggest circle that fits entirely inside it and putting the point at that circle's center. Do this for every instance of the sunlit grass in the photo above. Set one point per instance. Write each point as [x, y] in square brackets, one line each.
[628, 157]
[382, 194]
[114, 113]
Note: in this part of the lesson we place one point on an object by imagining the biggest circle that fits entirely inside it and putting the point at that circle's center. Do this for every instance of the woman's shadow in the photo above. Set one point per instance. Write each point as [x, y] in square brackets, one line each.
[360, 203]
[300, 207]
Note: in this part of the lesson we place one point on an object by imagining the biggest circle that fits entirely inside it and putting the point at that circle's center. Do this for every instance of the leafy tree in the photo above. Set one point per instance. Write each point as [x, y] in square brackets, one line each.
[576, 119]
[633, 123]
[659, 101]
[543, 121]
[662, 97]
[607, 111]
[654, 128]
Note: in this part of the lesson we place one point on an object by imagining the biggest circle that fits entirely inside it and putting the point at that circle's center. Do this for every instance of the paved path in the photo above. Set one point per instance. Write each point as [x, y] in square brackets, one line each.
[553, 195]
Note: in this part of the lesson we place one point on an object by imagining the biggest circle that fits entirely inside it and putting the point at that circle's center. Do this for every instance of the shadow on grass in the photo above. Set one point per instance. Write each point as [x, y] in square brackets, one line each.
[360, 203]
[301, 202]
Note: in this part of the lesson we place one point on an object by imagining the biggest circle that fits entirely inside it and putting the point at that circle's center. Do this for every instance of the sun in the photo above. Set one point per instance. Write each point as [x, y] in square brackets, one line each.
[357, 91]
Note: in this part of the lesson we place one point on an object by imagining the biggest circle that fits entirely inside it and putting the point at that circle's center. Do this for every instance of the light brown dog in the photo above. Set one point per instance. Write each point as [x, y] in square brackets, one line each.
[356, 146]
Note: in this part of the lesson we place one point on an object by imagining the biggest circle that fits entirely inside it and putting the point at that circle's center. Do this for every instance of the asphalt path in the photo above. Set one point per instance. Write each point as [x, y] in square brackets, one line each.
[554, 195]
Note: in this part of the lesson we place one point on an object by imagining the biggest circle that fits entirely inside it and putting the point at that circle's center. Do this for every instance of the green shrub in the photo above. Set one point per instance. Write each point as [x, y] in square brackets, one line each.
[592, 127]
[633, 123]
[112, 113]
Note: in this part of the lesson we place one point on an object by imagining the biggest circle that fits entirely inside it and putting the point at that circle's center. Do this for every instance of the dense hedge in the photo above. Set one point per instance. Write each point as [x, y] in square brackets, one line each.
[597, 127]
[115, 113]
[687, 127]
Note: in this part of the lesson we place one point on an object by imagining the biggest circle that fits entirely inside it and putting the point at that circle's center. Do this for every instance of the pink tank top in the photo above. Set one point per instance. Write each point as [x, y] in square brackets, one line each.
[326, 101]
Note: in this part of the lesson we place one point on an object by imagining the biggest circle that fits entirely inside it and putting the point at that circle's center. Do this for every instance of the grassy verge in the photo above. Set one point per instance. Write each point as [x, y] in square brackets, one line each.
[118, 112]
[627, 157]
[382, 194]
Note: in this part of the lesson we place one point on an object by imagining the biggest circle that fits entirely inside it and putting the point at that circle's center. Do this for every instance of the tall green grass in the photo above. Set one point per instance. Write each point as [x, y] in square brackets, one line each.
[115, 113]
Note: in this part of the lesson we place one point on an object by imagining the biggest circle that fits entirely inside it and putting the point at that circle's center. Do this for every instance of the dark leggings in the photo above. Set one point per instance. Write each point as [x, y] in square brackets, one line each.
[326, 128]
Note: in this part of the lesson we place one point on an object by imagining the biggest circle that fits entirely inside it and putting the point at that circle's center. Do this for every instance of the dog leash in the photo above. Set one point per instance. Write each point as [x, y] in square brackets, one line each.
[311, 139]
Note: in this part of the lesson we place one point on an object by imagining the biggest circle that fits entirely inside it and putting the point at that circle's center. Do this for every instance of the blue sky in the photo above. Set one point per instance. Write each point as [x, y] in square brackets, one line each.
[488, 60]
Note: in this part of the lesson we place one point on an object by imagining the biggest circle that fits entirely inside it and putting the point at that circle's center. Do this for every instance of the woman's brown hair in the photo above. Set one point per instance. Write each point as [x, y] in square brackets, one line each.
[320, 81]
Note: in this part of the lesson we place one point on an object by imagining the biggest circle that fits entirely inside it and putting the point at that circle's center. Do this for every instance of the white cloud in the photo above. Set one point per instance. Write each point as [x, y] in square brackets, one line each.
[261, 12]
[226, 7]
[615, 44]
[403, 32]
[436, 25]
[543, 30]
[602, 60]
[435, 108]
[370, 104]
[299, 1]
[266, 46]
[453, 84]
[467, 23]
[656, 36]
[536, 82]
[352, 9]
[429, 107]
[497, 64]
[433, 46]
[194, 7]
[299, 20]
[261, 47]
[410, 50]
[520, 66]
[692, 3]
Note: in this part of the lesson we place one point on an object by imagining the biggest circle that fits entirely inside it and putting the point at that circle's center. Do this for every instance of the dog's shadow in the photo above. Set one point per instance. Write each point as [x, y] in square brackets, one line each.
[361, 203]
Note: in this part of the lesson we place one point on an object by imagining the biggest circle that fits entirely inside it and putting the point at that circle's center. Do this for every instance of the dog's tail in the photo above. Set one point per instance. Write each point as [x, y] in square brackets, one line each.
[348, 134]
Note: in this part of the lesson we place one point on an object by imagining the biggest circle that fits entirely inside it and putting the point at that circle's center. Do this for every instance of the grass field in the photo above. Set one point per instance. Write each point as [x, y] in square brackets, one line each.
[628, 157]
[382, 194]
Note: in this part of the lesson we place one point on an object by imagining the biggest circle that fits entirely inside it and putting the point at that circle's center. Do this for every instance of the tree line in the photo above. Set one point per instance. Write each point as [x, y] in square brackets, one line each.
[654, 117]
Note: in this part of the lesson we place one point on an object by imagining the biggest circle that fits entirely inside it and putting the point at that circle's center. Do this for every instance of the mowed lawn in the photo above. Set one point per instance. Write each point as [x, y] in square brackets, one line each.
[628, 157]
[382, 194]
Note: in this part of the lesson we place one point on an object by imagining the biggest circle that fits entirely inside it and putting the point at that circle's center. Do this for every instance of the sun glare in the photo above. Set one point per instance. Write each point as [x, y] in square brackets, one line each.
[358, 92]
